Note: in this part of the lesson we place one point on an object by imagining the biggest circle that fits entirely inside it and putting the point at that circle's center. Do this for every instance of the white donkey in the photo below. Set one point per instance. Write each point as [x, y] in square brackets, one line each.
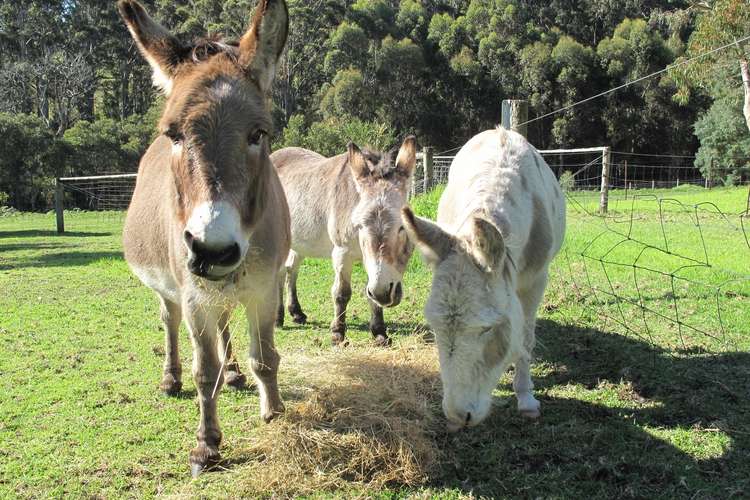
[501, 221]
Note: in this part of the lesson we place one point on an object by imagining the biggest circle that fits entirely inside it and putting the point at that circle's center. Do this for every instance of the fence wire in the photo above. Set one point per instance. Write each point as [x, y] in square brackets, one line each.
[661, 267]
[96, 203]
[670, 267]
[667, 264]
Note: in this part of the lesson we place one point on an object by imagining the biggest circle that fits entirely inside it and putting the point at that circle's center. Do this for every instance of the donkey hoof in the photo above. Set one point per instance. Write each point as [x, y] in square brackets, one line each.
[170, 386]
[203, 458]
[269, 414]
[531, 414]
[382, 341]
[529, 407]
[338, 338]
[235, 380]
[300, 318]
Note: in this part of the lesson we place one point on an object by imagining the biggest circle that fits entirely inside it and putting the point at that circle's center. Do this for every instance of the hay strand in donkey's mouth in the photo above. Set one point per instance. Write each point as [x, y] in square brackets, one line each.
[366, 418]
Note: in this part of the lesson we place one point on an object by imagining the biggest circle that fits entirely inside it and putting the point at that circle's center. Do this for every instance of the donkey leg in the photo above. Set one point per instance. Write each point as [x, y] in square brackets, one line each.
[264, 359]
[292, 271]
[171, 316]
[233, 376]
[377, 325]
[528, 406]
[203, 322]
[341, 292]
[280, 307]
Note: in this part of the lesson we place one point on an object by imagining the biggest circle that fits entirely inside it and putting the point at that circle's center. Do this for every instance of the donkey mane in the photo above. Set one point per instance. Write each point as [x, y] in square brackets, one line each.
[203, 49]
[383, 164]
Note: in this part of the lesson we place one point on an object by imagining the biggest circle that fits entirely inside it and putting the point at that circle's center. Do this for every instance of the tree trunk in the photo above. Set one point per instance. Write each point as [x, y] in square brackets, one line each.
[746, 86]
[124, 92]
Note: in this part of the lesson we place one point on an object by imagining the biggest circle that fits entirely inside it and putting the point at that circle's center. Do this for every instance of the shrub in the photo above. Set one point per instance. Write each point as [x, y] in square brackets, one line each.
[330, 137]
[567, 181]
[731, 180]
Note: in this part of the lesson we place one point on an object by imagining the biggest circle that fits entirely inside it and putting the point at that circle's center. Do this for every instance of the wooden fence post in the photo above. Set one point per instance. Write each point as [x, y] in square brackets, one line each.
[417, 167]
[59, 206]
[429, 168]
[626, 179]
[604, 199]
[515, 115]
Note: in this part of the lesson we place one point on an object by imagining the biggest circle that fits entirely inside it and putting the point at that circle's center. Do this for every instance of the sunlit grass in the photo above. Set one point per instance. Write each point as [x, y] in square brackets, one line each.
[660, 411]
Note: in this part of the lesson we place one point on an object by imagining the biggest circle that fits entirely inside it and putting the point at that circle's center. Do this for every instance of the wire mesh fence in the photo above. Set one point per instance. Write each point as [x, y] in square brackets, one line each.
[668, 263]
[93, 203]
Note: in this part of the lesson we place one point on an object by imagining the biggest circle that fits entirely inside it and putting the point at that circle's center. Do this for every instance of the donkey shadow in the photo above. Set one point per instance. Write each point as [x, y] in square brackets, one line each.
[583, 449]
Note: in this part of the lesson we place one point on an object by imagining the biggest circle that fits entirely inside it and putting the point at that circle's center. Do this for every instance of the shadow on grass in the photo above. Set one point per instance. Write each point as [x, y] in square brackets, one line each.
[583, 449]
[61, 259]
[25, 247]
[38, 233]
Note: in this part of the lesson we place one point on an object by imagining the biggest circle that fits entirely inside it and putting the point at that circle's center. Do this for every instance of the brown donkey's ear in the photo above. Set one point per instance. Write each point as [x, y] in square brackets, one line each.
[160, 48]
[262, 45]
[487, 245]
[407, 156]
[357, 162]
[433, 242]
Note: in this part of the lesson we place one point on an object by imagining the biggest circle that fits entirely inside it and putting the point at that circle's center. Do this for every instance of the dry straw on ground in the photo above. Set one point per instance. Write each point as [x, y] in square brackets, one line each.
[364, 418]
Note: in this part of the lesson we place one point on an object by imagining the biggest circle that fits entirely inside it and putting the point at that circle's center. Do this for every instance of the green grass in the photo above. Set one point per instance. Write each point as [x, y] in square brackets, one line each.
[633, 404]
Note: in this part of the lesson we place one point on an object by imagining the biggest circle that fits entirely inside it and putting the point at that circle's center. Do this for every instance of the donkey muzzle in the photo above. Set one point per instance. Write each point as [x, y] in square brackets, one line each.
[386, 297]
[209, 262]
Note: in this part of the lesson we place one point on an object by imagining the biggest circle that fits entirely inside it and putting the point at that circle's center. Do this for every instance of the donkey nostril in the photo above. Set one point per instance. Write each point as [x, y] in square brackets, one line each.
[228, 256]
[468, 417]
[370, 294]
[189, 239]
[390, 288]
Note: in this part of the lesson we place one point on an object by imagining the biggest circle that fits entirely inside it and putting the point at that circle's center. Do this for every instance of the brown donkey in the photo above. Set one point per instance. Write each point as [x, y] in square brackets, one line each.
[348, 208]
[208, 226]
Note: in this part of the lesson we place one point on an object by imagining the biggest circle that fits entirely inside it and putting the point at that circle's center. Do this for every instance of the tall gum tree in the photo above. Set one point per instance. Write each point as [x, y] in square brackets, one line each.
[719, 22]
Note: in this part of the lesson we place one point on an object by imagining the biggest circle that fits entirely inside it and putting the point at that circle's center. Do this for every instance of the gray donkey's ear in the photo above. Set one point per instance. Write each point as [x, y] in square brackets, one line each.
[357, 162]
[433, 242]
[407, 156]
[159, 47]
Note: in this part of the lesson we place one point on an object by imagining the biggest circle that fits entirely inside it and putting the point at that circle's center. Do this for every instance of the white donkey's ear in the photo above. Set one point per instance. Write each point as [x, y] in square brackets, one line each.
[407, 157]
[434, 243]
[162, 50]
[487, 245]
[262, 45]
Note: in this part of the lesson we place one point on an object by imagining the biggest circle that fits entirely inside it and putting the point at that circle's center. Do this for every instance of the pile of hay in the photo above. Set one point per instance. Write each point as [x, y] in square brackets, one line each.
[367, 417]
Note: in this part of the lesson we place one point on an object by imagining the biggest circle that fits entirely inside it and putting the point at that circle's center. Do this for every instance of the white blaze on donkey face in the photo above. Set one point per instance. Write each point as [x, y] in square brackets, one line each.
[501, 221]
[215, 239]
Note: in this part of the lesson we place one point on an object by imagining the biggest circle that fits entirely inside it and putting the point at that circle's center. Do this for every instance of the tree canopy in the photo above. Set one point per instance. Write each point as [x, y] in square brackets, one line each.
[376, 70]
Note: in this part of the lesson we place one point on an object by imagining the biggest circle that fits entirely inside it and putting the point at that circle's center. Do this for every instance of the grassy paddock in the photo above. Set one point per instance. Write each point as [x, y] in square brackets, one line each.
[634, 405]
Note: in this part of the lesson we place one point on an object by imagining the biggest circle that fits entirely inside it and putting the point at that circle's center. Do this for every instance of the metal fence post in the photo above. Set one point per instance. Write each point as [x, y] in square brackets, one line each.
[429, 168]
[59, 206]
[604, 200]
[515, 115]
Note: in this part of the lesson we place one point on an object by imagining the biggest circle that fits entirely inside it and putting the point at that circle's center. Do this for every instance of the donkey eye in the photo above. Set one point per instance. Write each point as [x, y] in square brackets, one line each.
[174, 135]
[255, 137]
[486, 332]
